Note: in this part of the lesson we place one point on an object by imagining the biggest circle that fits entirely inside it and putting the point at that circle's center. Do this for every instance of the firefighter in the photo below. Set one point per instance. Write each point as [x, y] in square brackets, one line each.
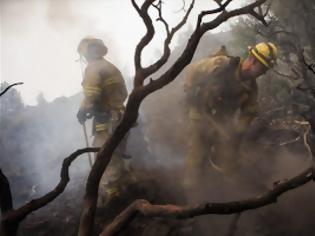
[104, 95]
[221, 94]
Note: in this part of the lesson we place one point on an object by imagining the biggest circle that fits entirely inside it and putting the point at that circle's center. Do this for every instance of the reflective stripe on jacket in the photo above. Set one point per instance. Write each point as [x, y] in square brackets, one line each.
[103, 87]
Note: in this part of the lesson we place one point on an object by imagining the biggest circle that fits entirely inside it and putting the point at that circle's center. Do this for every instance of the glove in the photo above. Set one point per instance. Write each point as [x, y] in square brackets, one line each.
[82, 116]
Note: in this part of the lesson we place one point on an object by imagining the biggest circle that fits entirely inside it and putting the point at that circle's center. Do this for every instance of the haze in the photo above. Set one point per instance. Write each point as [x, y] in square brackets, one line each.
[39, 40]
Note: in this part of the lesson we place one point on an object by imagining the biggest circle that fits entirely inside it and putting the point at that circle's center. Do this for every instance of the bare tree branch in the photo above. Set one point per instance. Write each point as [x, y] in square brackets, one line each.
[10, 86]
[167, 51]
[145, 40]
[305, 76]
[12, 216]
[213, 11]
[192, 44]
[259, 17]
[311, 67]
[267, 9]
[144, 208]
[160, 18]
[135, 5]
[64, 179]
[136, 97]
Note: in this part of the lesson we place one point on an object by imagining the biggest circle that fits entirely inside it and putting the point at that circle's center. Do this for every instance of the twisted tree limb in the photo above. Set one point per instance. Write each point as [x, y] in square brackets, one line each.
[11, 217]
[140, 91]
[170, 34]
[260, 17]
[10, 86]
[142, 207]
[145, 40]
[158, 7]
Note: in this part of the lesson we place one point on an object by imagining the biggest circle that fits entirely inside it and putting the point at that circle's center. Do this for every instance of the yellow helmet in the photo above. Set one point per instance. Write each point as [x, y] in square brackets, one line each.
[92, 46]
[266, 53]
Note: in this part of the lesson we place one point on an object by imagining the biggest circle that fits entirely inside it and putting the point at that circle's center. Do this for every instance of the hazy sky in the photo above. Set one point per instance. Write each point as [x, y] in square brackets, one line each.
[39, 40]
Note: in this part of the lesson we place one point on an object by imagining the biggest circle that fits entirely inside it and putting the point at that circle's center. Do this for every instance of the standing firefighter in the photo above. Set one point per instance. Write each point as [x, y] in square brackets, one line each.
[104, 95]
[216, 88]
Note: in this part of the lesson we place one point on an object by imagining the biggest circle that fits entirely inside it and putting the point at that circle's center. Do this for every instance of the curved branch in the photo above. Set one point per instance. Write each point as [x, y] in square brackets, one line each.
[305, 76]
[259, 17]
[213, 11]
[184, 20]
[20, 213]
[135, 5]
[145, 40]
[267, 9]
[167, 51]
[158, 7]
[131, 114]
[192, 44]
[311, 67]
[10, 86]
[145, 208]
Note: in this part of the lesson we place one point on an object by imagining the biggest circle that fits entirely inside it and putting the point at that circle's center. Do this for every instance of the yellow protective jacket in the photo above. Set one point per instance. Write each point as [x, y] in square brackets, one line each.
[104, 92]
[214, 87]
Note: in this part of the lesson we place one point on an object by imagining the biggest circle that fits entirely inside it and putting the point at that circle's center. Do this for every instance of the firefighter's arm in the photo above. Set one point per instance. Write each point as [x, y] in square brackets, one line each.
[92, 92]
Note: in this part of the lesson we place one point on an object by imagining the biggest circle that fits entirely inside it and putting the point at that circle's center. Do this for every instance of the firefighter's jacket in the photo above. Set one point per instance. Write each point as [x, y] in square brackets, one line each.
[104, 92]
[214, 88]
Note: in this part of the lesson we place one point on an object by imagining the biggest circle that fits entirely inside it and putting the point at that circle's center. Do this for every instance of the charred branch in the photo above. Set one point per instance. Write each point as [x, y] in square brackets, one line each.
[144, 208]
[35, 204]
[311, 67]
[213, 11]
[259, 17]
[261, 12]
[145, 40]
[12, 217]
[138, 94]
[167, 51]
[192, 44]
[306, 78]
[158, 7]
[10, 86]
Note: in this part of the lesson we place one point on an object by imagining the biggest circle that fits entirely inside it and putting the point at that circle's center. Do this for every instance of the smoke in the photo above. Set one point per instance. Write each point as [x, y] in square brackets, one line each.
[39, 41]
[37, 139]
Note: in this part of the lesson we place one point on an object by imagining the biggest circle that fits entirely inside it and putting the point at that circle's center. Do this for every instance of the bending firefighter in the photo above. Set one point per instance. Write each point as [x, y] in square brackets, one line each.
[221, 93]
[104, 94]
